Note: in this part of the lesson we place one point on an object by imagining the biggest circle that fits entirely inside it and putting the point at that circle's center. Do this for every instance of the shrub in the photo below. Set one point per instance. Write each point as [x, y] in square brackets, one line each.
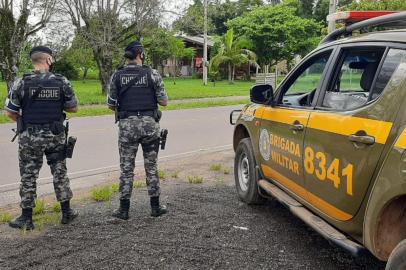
[195, 179]
[115, 187]
[66, 69]
[215, 167]
[102, 194]
[162, 174]
[139, 184]
[39, 207]
[56, 207]
[5, 217]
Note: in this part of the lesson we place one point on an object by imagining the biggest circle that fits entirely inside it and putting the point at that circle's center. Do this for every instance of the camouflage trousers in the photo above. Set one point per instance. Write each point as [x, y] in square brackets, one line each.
[33, 144]
[134, 131]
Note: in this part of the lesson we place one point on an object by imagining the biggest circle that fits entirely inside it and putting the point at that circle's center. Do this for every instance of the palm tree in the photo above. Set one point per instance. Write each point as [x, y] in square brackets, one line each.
[234, 53]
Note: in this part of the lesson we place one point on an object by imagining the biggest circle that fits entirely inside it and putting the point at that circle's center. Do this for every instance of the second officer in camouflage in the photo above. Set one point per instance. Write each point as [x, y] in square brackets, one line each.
[37, 102]
[135, 92]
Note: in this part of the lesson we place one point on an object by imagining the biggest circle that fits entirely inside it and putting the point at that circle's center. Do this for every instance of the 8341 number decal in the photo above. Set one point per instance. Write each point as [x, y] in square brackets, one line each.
[316, 164]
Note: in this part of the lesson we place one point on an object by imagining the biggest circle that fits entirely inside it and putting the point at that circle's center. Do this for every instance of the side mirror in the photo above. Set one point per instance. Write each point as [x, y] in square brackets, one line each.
[262, 94]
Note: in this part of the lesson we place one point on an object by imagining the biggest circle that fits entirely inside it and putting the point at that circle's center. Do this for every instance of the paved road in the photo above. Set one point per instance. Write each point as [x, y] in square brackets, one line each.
[96, 149]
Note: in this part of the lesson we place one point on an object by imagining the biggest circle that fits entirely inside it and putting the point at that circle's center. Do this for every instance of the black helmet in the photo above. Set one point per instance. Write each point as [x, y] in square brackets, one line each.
[133, 49]
[41, 49]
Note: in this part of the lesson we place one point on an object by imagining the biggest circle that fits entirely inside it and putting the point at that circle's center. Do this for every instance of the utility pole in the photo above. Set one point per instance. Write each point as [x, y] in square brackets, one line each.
[332, 9]
[205, 45]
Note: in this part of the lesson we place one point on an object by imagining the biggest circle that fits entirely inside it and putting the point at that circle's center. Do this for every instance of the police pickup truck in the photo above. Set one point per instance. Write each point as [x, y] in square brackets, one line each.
[330, 142]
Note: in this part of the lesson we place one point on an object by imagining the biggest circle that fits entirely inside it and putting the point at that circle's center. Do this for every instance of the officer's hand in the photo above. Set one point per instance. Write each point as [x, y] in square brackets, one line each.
[72, 110]
[13, 116]
[163, 103]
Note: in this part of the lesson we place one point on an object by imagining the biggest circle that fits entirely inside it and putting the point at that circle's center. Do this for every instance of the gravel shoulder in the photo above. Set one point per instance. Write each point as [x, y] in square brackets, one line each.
[207, 227]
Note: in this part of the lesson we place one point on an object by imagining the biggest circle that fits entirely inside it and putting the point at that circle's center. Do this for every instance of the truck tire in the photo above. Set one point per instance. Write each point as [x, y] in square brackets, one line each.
[245, 173]
[397, 259]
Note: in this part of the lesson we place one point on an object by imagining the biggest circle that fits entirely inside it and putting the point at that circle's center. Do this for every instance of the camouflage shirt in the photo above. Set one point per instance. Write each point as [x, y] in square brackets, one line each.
[158, 85]
[16, 93]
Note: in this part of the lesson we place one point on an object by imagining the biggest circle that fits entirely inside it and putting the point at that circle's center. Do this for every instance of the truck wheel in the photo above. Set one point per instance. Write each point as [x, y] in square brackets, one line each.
[245, 174]
[397, 259]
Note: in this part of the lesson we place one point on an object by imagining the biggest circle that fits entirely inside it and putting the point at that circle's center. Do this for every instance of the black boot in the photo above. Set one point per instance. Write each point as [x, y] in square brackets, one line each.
[68, 214]
[122, 211]
[156, 209]
[24, 221]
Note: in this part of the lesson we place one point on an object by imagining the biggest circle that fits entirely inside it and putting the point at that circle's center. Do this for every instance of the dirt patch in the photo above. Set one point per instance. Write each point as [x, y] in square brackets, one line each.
[207, 227]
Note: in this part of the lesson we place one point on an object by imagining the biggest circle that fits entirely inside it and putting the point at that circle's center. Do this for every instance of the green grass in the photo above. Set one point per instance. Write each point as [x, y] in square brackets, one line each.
[89, 92]
[102, 110]
[216, 167]
[175, 174]
[162, 174]
[115, 187]
[226, 171]
[102, 194]
[193, 88]
[39, 207]
[45, 219]
[139, 184]
[56, 207]
[195, 179]
[5, 217]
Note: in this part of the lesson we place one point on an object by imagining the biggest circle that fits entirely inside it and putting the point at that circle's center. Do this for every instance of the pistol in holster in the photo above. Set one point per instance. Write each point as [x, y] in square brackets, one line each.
[162, 138]
[70, 145]
[69, 142]
[157, 115]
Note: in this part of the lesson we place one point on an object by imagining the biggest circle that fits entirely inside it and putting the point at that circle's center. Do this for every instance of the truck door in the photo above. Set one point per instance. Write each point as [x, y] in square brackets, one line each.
[350, 127]
[283, 125]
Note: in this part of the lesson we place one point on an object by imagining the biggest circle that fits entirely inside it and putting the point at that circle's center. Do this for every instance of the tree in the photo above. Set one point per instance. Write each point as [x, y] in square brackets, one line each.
[66, 68]
[232, 53]
[80, 55]
[321, 9]
[16, 28]
[277, 33]
[221, 12]
[177, 50]
[314, 9]
[109, 25]
[377, 5]
[192, 22]
[156, 46]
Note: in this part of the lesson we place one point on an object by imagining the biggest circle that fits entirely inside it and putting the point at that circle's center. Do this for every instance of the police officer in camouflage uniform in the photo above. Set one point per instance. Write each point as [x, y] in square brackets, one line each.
[39, 99]
[135, 92]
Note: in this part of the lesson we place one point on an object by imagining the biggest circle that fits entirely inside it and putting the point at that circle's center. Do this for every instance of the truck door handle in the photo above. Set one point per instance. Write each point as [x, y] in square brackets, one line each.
[296, 126]
[364, 139]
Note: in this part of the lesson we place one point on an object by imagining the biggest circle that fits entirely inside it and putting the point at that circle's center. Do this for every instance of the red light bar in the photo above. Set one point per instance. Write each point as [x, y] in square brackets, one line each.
[356, 16]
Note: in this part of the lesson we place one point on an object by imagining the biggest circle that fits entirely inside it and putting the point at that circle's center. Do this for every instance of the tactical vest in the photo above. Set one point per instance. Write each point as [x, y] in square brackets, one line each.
[47, 106]
[135, 89]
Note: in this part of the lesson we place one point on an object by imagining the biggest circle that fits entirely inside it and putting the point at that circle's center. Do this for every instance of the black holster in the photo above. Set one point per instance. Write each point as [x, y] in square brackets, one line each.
[157, 115]
[20, 125]
[70, 145]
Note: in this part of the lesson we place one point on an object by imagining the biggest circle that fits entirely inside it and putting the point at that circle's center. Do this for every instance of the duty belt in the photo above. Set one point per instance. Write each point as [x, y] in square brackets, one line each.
[138, 113]
[38, 126]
